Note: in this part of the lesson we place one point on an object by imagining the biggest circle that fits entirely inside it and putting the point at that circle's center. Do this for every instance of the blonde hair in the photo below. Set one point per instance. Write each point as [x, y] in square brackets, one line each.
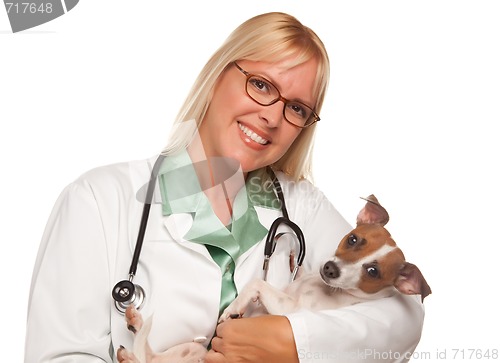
[270, 37]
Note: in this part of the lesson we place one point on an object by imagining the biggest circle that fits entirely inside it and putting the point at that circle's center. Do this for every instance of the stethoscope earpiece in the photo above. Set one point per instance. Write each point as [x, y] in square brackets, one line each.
[125, 293]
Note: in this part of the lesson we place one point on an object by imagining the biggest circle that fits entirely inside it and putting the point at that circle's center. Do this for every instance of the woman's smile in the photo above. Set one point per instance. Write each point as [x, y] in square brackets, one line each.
[252, 135]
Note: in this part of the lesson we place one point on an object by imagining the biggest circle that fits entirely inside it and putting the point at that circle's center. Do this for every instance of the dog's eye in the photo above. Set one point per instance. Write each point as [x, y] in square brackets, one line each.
[352, 240]
[373, 271]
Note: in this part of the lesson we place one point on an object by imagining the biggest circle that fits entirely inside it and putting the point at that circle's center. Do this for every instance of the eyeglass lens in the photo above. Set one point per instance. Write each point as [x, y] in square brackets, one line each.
[265, 93]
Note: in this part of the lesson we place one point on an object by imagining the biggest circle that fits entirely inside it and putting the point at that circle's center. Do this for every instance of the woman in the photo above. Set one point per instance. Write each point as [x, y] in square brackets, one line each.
[255, 104]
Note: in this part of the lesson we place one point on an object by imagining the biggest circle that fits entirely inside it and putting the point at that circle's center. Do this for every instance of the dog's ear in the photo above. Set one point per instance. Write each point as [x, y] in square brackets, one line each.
[372, 213]
[411, 281]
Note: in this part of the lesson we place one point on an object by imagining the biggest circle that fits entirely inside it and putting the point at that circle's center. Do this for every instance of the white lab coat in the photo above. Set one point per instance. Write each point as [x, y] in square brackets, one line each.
[88, 245]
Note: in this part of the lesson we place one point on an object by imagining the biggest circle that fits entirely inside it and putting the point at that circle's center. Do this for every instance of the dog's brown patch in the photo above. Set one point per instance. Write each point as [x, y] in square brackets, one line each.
[388, 267]
[376, 234]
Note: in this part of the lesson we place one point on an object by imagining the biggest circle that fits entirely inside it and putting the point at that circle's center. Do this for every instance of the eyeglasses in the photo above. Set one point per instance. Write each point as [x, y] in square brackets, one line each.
[265, 93]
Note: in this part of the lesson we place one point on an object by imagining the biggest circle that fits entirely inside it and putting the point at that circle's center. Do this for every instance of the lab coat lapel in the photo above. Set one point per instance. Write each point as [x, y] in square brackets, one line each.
[177, 226]
[267, 215]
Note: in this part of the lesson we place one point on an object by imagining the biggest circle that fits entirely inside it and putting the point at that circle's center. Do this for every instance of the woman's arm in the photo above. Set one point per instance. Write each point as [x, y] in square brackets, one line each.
[68, 313]
[386, 330]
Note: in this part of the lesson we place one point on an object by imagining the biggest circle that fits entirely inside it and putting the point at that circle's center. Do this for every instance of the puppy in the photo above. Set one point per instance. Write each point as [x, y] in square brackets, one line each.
[367, 265]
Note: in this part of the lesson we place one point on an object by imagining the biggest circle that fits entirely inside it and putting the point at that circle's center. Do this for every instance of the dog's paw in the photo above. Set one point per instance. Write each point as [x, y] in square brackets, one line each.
[226, 316]
[238, 307]
[126, 356]
[233, 311]
[134, 319]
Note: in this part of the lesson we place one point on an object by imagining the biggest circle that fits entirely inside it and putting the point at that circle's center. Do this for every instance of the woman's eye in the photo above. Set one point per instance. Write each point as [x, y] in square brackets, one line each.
[260, 85]
[298, 109]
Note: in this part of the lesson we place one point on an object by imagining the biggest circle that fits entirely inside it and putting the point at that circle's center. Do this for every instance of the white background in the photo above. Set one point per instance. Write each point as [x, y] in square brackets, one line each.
[411, 116]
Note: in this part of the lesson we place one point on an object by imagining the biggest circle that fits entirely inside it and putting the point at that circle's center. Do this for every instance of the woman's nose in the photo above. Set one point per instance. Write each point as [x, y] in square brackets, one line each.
[272, 114]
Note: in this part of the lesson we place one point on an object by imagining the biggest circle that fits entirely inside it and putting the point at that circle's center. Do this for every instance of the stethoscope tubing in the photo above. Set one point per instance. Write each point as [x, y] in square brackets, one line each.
[126, 292]
[145, 215]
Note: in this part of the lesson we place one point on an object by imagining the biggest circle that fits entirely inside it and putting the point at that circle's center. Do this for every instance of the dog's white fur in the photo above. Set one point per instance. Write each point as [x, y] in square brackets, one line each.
[367, 265]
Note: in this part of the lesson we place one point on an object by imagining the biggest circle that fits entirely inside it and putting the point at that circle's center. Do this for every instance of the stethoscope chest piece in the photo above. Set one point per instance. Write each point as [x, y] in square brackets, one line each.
[125, 293]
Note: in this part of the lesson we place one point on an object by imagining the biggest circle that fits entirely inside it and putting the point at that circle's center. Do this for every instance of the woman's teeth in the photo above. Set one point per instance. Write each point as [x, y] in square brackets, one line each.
[252, 135]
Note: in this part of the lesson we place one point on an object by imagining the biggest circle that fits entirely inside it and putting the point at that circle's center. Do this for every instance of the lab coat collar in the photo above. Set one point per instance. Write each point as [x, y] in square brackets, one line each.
[179, 224]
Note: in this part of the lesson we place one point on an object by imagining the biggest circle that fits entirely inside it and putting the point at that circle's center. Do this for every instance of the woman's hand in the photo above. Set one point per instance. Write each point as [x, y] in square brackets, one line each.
[267, 338]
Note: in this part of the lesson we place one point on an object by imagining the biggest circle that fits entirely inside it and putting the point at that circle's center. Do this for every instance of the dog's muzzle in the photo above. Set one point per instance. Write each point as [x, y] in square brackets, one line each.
[330, 270]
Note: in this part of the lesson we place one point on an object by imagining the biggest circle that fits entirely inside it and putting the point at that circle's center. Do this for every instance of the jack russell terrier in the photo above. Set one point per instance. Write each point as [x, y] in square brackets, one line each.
[367, 265]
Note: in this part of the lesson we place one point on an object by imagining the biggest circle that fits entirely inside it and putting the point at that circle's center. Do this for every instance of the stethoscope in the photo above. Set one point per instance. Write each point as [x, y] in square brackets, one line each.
[126, 293]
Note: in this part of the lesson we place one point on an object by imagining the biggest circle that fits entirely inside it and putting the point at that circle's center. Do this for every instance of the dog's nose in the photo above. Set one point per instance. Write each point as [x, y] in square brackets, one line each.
[331, 270]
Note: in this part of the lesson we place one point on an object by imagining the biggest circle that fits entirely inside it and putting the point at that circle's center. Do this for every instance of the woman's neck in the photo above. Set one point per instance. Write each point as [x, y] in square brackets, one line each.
[220, 179]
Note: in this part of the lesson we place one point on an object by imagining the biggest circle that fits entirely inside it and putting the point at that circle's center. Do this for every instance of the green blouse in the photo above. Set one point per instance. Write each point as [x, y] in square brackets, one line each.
[181, 193]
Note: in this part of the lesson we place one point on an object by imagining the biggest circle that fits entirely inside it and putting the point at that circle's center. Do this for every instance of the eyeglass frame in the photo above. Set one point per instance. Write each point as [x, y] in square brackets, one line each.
[285, 101]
